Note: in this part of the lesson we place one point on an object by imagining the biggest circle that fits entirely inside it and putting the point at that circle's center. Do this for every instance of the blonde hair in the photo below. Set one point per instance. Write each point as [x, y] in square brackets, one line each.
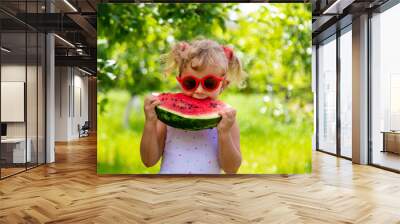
[202, 53]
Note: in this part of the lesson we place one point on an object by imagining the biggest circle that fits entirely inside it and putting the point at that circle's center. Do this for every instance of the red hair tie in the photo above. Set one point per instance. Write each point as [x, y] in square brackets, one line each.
[228, 52]
[184, 46]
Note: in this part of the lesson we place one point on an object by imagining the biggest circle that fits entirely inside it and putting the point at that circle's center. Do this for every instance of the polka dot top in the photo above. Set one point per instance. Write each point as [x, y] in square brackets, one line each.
[190, 152]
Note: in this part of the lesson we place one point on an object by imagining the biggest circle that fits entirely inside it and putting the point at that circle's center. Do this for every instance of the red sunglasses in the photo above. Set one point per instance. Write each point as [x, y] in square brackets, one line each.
[208, 82]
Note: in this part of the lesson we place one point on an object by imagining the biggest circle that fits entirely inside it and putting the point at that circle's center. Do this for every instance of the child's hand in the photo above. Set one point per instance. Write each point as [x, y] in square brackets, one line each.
[228, 119]
[150, 102]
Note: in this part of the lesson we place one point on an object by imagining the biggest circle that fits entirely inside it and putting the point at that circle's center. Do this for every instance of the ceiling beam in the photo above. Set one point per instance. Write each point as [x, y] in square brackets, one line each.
[337, 7]
[78, 61]
[86, 26]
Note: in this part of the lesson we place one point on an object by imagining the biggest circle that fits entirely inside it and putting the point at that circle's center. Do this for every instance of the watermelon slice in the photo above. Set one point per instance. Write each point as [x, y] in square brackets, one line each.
[188, 113]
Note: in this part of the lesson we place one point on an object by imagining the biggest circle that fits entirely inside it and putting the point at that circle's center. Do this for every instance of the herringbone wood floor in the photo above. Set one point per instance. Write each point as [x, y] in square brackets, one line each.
[69, 191]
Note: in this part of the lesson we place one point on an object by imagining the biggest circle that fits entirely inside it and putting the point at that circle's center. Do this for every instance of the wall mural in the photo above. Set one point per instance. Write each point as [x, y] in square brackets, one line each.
[204, 88]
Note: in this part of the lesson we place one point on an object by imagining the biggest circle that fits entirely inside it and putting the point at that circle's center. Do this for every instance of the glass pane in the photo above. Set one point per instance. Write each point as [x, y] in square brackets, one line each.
[13, 86]
[23, 88]
[31, 97]
[31, 86]
[346, 94]
[386, 89]
[327, 96]
[41, 98]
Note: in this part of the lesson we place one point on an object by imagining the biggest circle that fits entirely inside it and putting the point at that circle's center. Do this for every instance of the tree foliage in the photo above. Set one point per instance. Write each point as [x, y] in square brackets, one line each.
[132, 37]
[274, 42]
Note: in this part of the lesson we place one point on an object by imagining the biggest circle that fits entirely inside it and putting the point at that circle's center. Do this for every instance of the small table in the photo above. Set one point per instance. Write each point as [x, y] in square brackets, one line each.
[391, 141]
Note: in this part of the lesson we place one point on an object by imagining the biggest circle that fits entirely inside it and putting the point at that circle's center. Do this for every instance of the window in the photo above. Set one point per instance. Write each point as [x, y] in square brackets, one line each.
[22, 77]
[346, 92]
[327, 95]
[385, 89]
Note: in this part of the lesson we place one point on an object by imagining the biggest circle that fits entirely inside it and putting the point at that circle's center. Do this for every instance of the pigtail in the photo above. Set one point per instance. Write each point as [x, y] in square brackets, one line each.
[173, 61]
[235, 70]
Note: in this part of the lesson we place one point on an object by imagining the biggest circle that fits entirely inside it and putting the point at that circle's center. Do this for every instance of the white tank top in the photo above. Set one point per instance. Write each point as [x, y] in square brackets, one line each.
[190, 152]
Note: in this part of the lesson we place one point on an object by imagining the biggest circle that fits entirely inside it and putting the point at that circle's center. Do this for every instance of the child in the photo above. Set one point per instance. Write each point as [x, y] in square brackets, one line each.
[196, 152]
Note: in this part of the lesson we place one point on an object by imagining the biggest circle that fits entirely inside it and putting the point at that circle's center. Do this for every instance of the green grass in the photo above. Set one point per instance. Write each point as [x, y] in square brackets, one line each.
[268, 143]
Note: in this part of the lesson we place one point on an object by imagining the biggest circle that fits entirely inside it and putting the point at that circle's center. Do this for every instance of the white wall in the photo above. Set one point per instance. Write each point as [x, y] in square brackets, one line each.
[16, 73]
[33, 126]
[12, 73]
[62, 81]
[12, 100]
[71, 94]
[80, 100]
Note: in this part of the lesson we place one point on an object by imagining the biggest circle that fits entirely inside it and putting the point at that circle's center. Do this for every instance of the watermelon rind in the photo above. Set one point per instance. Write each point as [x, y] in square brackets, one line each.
[187, 122]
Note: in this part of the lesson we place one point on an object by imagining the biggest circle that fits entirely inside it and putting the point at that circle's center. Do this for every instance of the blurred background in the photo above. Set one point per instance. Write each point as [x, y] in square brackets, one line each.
[274, 110]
